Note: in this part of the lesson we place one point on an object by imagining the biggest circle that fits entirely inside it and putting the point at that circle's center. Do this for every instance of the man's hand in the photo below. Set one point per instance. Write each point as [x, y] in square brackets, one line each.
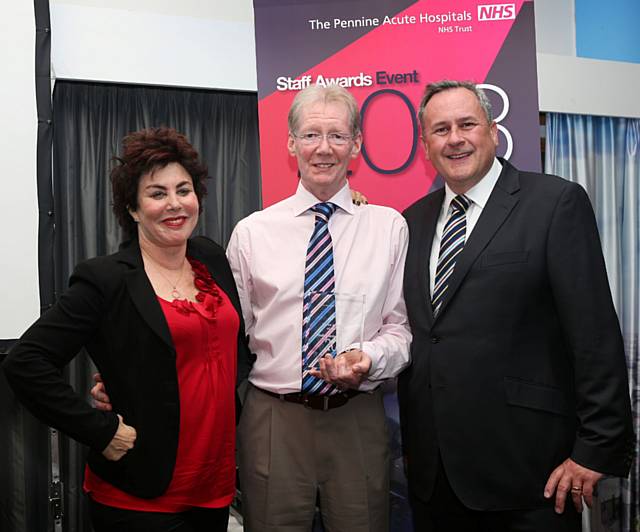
[347, 370]
[573, 478]
[99, 393]
[122, 441]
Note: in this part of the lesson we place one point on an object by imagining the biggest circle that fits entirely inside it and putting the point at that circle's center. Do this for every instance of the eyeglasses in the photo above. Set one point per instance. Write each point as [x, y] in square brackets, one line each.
[313, 139]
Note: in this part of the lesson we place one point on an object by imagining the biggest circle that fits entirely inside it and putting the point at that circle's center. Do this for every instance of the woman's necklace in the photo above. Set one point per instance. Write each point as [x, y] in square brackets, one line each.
[175, 293]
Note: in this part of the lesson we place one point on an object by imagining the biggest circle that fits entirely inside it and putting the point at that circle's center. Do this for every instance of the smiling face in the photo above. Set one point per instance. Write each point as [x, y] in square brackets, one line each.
[457, 138]
[167, 209]
[323, 167]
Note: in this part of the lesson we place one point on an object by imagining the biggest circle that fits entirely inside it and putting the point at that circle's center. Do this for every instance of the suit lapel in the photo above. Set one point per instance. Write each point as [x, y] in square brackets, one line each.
[142, 294]
[501, 202]
[425, 239]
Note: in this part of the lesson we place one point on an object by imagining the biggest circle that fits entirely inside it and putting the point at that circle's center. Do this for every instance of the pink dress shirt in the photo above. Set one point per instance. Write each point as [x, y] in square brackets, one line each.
[267, 253]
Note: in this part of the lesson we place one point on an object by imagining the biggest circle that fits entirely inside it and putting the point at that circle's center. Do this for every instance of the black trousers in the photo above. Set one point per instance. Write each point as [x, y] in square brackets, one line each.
[444, 512]
[110, 519]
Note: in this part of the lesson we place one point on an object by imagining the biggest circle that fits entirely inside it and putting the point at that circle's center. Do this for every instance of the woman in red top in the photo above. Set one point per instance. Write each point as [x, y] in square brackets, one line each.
[161, 320]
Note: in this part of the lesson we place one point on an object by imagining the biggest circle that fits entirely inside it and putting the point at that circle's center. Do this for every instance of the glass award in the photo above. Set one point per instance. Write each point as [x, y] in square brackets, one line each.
[348, 331]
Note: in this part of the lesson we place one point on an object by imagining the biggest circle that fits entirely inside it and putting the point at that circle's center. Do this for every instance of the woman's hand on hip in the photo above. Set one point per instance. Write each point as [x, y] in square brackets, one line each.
[122, 441]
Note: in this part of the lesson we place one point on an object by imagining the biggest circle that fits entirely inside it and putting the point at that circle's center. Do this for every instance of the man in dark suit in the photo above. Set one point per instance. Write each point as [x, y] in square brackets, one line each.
[517, 396]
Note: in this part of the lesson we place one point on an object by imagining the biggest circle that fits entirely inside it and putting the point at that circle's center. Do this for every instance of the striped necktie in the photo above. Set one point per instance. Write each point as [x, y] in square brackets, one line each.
[319, 305]
[453, 238]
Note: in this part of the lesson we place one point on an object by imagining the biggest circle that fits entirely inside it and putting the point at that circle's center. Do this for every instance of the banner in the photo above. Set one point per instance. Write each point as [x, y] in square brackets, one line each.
[385, 52]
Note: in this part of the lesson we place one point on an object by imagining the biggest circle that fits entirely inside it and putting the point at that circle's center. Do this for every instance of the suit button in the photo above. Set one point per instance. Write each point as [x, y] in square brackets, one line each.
[435, 339]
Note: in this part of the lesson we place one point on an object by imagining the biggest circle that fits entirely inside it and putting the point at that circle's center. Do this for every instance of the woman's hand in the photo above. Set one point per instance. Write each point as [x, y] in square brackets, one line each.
[121, 443]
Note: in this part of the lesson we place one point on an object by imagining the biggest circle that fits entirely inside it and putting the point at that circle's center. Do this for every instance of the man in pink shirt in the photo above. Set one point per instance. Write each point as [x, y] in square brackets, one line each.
[313, 424]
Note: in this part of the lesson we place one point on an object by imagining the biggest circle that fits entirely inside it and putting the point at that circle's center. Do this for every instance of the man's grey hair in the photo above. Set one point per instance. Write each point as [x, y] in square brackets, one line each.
[447, 84]
[331, 94]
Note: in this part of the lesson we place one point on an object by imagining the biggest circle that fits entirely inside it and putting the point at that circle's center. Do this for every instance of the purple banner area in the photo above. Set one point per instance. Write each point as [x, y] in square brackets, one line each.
[296, 47]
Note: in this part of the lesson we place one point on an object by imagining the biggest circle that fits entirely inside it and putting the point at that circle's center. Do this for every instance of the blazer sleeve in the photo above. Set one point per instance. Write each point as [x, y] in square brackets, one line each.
[604, 439]
[34, 366]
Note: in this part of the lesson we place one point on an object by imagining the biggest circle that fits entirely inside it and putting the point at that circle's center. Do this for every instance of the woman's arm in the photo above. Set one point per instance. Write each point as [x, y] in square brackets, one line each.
[34, 366]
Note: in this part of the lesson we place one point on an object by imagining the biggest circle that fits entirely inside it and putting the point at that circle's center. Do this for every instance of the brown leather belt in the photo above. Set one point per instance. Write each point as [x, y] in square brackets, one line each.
[315, 402]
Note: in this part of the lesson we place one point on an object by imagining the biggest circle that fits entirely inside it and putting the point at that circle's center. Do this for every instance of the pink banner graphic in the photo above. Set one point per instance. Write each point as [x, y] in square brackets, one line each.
[386, 57]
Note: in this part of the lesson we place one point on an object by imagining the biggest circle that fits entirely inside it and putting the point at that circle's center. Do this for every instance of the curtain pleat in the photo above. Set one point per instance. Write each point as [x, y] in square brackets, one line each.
[603, 155]
[23, 469]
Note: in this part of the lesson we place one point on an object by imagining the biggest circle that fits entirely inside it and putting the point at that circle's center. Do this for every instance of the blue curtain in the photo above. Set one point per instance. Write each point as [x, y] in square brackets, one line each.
[603, 155]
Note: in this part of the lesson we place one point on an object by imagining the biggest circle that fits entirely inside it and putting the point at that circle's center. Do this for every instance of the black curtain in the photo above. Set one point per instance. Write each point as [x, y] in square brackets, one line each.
[24, 471]
[90, 120]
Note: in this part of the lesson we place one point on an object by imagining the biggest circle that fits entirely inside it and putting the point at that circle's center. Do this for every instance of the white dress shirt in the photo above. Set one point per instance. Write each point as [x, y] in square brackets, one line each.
[267, 253]
[478, 197]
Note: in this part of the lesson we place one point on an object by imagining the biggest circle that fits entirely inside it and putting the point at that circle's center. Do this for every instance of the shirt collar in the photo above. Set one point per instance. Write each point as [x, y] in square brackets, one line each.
[480, 192]
[303, 200]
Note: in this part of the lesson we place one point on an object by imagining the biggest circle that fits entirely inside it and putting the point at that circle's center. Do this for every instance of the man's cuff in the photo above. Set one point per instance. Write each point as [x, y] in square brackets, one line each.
[609, 461]
[377, 365]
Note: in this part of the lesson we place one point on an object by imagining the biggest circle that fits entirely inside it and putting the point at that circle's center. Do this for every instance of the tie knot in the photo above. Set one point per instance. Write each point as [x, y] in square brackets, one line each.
[460, 203]
[324, 210]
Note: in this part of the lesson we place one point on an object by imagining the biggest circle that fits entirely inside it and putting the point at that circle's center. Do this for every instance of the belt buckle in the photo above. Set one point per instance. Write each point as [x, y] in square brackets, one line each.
[307, 402]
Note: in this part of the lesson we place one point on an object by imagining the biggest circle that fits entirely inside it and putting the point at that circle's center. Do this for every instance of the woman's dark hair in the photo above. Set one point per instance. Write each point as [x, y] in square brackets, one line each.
[143, 152]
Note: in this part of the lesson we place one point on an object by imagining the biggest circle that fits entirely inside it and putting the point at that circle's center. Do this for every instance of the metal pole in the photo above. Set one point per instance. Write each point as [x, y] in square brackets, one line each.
[56, 502]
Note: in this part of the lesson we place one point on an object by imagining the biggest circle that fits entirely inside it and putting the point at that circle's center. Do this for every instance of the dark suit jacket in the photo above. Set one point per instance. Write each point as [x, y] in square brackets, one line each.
[524, 365]
[111, 310]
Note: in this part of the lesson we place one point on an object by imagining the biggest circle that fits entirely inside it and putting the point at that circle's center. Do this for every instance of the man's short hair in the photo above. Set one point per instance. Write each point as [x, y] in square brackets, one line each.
[447, 84]
[331, 94]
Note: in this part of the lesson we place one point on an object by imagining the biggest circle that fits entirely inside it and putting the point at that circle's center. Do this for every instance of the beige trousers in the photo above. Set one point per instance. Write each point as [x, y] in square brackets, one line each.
[289, 455]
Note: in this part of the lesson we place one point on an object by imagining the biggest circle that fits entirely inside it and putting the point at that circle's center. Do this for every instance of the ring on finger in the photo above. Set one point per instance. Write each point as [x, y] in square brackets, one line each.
[576, 488]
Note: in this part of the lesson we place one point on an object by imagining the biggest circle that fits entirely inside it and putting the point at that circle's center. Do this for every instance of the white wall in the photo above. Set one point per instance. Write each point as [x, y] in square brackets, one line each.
[186, 43]
[18, 201]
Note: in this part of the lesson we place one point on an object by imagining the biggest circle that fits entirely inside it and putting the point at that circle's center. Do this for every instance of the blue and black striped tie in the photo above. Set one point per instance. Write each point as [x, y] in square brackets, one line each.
[453, 239]
[319, 305]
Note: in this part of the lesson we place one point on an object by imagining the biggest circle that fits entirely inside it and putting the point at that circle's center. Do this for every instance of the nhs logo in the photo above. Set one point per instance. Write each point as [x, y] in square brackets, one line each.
[496, 12]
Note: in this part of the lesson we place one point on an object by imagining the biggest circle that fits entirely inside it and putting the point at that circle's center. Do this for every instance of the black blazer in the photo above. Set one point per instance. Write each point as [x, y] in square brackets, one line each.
[524, 365]
[111, 310]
